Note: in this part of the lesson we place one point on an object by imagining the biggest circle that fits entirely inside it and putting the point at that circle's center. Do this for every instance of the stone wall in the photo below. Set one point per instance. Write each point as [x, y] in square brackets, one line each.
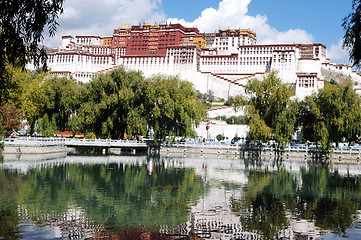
[22, 149]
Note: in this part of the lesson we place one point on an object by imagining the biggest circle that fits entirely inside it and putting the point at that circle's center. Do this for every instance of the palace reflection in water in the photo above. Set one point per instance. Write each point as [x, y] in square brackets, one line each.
[156, 197]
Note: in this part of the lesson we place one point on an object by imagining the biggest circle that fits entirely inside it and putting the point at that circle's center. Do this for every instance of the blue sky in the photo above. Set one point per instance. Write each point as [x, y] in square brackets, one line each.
[278, 21]
[322, 19]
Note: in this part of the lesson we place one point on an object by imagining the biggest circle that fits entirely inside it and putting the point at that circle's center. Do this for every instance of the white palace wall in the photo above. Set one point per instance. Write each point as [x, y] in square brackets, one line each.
[309, 66]
[225, 72]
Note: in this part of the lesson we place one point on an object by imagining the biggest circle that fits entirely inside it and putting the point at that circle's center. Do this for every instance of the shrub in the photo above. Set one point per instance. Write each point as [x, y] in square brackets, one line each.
[90, 135]
[219, 137]
[236, 120]
[229, 102]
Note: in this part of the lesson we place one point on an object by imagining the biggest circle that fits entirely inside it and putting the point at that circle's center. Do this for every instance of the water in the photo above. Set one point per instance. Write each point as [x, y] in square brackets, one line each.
[156, 197]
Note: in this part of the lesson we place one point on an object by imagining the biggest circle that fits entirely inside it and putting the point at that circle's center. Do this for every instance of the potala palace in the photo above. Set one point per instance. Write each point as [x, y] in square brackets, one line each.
[222, 62]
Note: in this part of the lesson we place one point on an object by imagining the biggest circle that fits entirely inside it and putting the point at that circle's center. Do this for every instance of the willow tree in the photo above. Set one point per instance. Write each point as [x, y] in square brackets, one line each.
[123, 103]
[332, 115]
[60, 102]
[112, 103]
[32, 99]
[22, 24]
[172, 106]
[269, 109]
[352, 37]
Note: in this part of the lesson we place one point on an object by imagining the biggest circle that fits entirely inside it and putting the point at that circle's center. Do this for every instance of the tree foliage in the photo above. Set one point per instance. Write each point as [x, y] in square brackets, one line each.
[32, 99]
[123, 103]
[10, 117]
[46, 126]
[61, 100]
[352, 37]
[116, 104]
[270, 111]
[22, 24]
[50, 102]
[111, 101]
[331, 115]
[173, 108]
[38, 95]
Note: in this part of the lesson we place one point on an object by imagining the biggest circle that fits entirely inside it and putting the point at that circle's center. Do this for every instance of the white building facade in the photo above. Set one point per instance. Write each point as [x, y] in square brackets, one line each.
[224, 66]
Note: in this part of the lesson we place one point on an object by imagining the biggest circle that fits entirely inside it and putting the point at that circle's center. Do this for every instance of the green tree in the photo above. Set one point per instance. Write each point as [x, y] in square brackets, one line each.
[19, 79]
[269, 109]
[352, 37]
[113, 103]
[36, 94]
[123, 103]
[10, 107]
[25, 99]
[229, 102]
[22, 24]
[331, 115]
[32, 99]
[235, 120]
[172, 106]
[46, 126]
[287, 122]
[258, 129]
[61, 100]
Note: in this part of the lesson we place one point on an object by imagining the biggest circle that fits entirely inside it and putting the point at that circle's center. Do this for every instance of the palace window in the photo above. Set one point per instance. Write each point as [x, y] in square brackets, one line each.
[306, 82]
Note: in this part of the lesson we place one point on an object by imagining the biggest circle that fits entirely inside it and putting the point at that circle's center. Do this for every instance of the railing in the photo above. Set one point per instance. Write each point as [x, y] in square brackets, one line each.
[220, 145]
[34, 141]
[200, 145]
[104, 142]
[40, 141]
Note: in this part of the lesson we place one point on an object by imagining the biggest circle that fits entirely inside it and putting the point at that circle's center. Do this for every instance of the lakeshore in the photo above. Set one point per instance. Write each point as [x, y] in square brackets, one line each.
[338, 155]
[48, 148]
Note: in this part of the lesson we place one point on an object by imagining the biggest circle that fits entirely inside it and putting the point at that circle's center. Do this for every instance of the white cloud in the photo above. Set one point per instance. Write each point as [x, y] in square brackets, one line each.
[95, 17]
[70, 13]
[337, 53]
[233, 14]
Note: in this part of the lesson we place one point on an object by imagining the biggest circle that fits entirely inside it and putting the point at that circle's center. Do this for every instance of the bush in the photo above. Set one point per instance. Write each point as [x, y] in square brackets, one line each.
[221, 118]
[229, 102]
[90, 135]
[219, 137]
[236, 120]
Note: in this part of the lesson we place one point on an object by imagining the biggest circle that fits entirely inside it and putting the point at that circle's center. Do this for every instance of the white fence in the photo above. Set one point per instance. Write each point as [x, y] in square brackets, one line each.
[39, 141]
[221, 145]
[33, 141]
[104, 143]
[109, 143]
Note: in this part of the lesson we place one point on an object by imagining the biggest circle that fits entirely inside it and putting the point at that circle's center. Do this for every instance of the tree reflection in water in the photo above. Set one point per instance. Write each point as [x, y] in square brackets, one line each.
[9, 219]
[155, 199]
[118, 197]
[316, 193]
